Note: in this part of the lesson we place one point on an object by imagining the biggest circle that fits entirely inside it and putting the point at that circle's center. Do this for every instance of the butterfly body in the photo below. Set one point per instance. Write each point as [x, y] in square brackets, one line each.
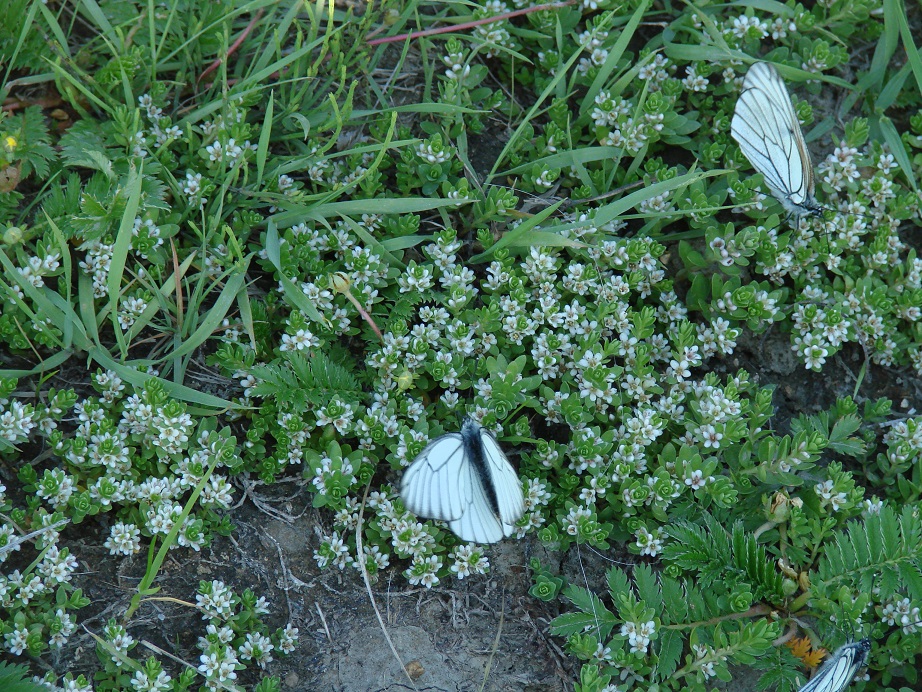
[839, 669]
[466, 480]
[766, 127]
[473, 448]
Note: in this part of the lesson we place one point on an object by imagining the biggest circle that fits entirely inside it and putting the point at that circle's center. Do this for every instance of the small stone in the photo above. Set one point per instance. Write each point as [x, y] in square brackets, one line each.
[415, 670]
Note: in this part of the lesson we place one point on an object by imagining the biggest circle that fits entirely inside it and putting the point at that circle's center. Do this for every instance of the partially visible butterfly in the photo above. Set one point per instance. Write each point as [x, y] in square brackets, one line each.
[767, 129]
[840, 668]
[465, 479]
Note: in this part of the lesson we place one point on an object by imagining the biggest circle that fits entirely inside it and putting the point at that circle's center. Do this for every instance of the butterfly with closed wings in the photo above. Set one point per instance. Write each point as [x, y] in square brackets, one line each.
[839, 669]
[766, 127]
[466, 480]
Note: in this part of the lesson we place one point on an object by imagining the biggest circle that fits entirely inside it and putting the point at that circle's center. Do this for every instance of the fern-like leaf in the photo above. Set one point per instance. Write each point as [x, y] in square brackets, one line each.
[783, 671]
[402, 309]
[691, 549]
[306, 381]
[837, 427]
[721, 556]
[154, 192]
[13, 678]
[648, 587]
[841, 439]
[675, 602]
[752, 560]
[883, 547]
[592, 615]
[84, 146]
[34, 148]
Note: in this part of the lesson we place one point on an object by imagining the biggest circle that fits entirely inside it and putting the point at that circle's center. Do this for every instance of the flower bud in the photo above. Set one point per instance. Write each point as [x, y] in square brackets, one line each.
[404, 380]
[12, 235]
[788, 587]
[339, 282]
[780, 507]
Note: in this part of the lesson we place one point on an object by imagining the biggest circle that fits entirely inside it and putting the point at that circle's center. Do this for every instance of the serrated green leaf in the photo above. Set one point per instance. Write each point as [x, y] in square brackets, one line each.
[670, 652]
[647, 587]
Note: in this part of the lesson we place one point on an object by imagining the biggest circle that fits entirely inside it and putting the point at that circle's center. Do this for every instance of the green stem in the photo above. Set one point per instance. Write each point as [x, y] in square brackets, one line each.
[144, 587]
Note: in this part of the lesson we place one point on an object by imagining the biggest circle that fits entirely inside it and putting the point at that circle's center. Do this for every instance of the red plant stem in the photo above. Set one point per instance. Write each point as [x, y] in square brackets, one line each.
[365, 315]
[234, 46]
[469, 25]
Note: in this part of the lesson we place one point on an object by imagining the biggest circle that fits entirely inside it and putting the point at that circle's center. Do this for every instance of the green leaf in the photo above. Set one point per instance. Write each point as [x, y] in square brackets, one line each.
[306, 380]
[892, 138]
[671, 644]
[647, 587]
[291, 291]
[517, 233]
[593, 616]
[15, 677]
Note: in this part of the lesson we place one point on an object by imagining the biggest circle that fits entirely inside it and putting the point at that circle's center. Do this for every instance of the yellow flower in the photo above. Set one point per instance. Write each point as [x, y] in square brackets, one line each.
[10, 143]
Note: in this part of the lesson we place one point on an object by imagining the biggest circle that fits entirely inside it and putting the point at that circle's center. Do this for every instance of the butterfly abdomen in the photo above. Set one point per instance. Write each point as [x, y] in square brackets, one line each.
[473, 447]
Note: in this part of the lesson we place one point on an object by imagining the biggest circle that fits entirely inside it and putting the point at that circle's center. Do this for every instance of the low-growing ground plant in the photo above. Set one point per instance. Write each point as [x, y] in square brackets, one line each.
[279, 261]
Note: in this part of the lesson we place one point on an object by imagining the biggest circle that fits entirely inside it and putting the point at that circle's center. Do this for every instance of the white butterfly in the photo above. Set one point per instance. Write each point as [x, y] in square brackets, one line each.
[768, 132]
[465, 479]
[839, 669]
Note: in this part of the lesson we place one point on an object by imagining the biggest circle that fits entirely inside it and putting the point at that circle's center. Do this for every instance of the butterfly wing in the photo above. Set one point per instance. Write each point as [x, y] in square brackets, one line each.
[837, 672]
[496, 501]
[437, 485]
[509, 498]
[767, 129]
[478, 523]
